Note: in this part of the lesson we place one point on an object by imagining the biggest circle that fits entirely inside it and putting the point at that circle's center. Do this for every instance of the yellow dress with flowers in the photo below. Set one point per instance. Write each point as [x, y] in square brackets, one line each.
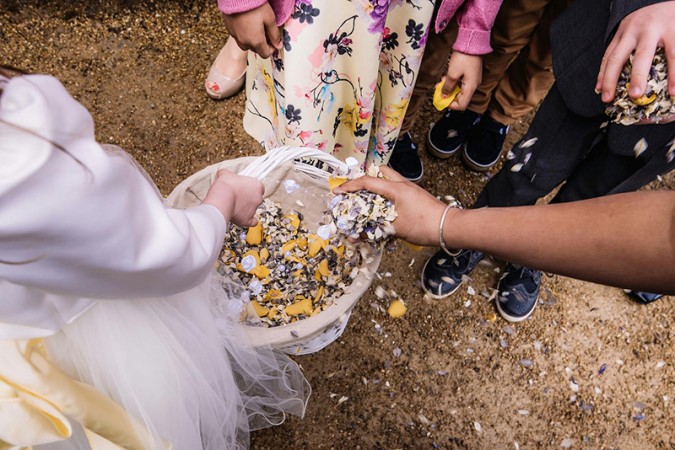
[343, 80]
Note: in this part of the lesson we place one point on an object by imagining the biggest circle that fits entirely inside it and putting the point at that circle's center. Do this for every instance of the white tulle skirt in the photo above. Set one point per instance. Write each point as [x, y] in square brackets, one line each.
[182, 367]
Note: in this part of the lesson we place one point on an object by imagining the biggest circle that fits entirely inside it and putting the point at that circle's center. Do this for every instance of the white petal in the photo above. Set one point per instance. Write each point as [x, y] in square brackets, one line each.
[529, 142]
[671, 152]
[567, 443]
[640, 147]
[516, 167]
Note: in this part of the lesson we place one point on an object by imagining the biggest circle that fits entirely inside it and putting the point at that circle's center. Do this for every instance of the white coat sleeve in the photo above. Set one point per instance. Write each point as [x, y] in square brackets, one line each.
[85, 222]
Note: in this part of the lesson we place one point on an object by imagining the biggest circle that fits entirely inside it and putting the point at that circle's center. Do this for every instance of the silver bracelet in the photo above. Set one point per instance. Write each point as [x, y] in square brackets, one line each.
[452, 204]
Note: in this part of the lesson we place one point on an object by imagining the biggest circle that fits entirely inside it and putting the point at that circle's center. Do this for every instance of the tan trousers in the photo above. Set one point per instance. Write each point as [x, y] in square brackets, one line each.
[516, 75]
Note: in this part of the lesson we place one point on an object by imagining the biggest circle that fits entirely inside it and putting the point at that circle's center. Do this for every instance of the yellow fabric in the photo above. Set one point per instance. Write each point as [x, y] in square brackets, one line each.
[37, 400]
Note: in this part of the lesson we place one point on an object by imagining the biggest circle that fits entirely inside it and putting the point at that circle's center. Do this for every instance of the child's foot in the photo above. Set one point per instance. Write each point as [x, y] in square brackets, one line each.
[405, 158]
[450, 133]
[227, 73]
[485, 143]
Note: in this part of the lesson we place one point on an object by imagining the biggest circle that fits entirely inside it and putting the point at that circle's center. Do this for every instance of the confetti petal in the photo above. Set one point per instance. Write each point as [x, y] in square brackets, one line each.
[640, 147]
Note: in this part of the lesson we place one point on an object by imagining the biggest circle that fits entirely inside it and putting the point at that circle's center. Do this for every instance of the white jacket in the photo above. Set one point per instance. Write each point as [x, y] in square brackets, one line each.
[82, 224]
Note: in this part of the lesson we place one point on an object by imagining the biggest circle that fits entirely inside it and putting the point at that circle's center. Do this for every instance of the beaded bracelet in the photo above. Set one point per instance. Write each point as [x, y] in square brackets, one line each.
[453, 203]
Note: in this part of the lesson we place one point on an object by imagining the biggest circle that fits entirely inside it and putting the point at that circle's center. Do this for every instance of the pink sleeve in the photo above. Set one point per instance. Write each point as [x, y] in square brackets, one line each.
[237, 6]
[475, 19]
[282, 8]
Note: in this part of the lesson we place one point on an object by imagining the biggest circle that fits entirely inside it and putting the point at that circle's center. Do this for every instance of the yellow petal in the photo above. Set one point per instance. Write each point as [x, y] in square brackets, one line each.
[334, 182]
[323, 268]
[413, 246]
[294, 220]
[261, 272]
[642, 100]
[273, 294]
[396, 309]
[315, 244]
[441, 102]
[264, 254]
[272, 314]
[287, 247]
[254, 234]
[339, 250]
[300, 307]
[319, 294]
[260, 310]
[302, 243]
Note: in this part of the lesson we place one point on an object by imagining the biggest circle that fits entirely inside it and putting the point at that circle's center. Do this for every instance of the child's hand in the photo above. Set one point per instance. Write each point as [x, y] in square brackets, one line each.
[418, 212]
[255, 30]
[236, 197]
[465, 70]
[641, 31]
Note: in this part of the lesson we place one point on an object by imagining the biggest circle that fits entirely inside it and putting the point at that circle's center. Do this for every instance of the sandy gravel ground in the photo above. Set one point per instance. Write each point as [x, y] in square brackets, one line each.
[462, 379]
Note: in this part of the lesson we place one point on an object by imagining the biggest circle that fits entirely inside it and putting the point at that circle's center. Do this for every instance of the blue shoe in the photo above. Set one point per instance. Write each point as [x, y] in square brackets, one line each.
[484, 146]
[643, 297]
[450, 133]
[442, 274]
[518, 292]
[405, 159]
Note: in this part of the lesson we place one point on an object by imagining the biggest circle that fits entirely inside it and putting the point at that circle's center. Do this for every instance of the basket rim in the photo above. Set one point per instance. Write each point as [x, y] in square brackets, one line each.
[301, 330]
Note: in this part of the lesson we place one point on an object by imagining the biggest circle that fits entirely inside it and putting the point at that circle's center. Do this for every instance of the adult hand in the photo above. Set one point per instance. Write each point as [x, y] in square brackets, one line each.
[642, 31]
[419, 213]
[237, 197]
[465, 70]
[255, 30]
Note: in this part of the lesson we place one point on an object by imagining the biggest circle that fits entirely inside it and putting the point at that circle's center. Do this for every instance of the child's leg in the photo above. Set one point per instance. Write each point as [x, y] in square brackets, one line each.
[434, 65]
[554, 145]
[514, 28]
[613, 167]
[530, 76]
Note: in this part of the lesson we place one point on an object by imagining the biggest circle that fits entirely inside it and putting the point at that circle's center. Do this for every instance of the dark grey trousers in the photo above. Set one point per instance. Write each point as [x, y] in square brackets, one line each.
[592, 158]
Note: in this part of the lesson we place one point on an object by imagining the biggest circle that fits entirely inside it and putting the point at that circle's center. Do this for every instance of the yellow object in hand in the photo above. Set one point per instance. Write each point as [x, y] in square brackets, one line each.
[441, 101]
[334, 182]
[643, 100]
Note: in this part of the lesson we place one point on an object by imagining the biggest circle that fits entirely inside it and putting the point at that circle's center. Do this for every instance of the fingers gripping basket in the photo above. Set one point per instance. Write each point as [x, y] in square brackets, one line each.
[310, 169]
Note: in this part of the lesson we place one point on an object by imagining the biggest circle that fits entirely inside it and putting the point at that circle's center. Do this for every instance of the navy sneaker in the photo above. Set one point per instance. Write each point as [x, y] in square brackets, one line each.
[451, 132]
[442, 274]
[518, 292]
[643, 297]
[406, 160]
[485, 143]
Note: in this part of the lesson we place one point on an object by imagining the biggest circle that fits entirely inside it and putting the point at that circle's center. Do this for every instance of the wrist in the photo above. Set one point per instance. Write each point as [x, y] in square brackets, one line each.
[221, 196]
[444, 237]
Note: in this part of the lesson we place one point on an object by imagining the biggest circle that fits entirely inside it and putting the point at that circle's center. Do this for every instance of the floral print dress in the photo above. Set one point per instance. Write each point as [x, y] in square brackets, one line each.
[343, 79]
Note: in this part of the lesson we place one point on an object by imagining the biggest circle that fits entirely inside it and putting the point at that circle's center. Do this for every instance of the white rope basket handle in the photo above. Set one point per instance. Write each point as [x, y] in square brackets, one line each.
[263, 165]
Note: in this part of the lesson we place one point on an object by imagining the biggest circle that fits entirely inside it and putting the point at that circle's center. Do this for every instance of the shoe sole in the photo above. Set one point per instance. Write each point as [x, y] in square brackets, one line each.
[437, 152]
[474, 165]
[418, 179]
[431, 294]
[413, 180]
[511, 318]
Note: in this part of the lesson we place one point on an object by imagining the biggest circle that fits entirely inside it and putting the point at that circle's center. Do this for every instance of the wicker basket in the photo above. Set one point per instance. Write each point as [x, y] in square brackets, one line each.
[310, 169]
